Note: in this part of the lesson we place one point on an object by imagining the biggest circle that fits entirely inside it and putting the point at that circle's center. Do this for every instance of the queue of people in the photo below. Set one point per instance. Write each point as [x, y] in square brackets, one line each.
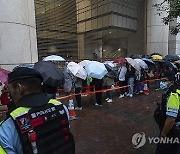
[130, 81]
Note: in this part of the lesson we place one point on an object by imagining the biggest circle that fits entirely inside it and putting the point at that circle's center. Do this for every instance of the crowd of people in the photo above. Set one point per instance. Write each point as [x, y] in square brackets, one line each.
[129, 80]
[32, 105]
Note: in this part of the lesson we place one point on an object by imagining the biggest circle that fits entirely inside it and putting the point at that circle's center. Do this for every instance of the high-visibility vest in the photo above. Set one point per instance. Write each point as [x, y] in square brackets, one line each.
[50, 125]
[2, 150]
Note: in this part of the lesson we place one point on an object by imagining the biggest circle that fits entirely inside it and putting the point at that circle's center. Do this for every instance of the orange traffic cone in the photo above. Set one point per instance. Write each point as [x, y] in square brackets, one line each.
[72, 114]
[145, 89]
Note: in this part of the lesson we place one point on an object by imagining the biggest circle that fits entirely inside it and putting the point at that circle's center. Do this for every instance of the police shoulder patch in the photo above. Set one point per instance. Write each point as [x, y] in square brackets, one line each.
[23, 123]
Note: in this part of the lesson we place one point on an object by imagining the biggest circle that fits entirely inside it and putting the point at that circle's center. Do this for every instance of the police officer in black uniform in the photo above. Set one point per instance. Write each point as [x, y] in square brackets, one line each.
[38, 125]
[167, 114]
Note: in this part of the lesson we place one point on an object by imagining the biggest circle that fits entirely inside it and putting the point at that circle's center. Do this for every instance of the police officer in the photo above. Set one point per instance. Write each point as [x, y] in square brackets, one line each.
[170, 117]
[39, 124]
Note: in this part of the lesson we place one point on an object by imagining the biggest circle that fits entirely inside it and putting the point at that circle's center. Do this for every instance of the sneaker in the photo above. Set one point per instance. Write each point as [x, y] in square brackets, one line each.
[96, 104]
[121, 96]
[78, 108]
[141, 91]
[109, 101]
[84, 95]
[130, 95]
[157, 89]
[127, 94]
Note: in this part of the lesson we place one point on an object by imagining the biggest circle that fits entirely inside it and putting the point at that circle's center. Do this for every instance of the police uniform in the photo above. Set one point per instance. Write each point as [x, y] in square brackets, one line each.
[47, 119]
[172, 110]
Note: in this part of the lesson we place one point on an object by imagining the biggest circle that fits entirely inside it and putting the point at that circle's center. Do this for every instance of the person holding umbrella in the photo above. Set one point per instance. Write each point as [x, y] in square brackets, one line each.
[53, 77]
[78, 86]
[130, 75]
[108, 81]
[122, 78]
[97, 71]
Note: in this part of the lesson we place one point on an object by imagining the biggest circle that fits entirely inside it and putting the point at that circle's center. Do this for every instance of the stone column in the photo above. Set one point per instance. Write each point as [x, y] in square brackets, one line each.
[157, 32]
[18, 43]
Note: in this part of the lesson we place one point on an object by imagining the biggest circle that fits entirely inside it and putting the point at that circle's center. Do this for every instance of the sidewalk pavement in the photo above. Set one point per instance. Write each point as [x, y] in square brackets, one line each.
[109, 129]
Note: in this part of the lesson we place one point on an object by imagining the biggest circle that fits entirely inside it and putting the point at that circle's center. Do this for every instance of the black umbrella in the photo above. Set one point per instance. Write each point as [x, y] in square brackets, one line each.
[158, 61]
[156, 53]
[146, 56]
[136, 56]
[109, 68]
[51, 74]
[170, 65]
[172, 57]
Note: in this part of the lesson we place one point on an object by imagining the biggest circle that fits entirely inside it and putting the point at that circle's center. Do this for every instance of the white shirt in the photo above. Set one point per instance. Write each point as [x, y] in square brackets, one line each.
[122, 72]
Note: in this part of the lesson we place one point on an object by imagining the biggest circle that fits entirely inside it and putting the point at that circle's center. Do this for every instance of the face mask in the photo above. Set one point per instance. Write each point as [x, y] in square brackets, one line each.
[163, 85]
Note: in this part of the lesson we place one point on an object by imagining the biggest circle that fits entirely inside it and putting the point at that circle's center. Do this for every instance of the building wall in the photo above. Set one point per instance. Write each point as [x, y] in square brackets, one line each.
[157, 32]
[106, 25]
[137, 40]
[17, 33]
[57, 28]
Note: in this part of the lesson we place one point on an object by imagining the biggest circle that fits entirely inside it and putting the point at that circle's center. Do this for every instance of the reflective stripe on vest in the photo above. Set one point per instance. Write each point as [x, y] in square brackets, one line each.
[23, 110]
[1, 122]
[2, 150]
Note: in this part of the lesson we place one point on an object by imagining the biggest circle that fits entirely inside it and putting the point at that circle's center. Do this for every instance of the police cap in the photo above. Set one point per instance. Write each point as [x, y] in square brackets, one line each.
[23, 73]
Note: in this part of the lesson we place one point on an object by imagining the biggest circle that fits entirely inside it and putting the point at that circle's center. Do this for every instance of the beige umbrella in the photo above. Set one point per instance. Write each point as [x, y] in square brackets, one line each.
[133, 63]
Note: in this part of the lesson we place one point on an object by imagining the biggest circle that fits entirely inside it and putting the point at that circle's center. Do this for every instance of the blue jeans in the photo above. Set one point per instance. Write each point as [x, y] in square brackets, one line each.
[109, 93]
[131, 87]
[139, 87]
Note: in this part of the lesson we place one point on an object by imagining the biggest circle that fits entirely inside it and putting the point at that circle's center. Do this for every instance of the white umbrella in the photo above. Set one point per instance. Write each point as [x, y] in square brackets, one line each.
[54, 58]
[77, 70]
[84, 62]
[96, 70]
[141, 63]
[133, 63]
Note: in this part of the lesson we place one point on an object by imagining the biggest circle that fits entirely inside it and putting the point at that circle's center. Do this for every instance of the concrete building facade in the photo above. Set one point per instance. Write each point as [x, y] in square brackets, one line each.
[18, 43]
[84, 29]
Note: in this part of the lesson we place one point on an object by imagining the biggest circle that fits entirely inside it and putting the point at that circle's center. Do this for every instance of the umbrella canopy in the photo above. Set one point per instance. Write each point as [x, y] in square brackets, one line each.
[51, 74]
[120, 60]
[24, 65]
[109, 68]
[141, 63]
[158, 61]
[77, 70]
[156, 57]
[84, 62]
[54, 58]
[136, 56]
[133, 63]
[171, 57]
[156, 53]
[148, 61]
[146, 56]
[96, 70]
[171, 65]
[3, 75]
[110, 63]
